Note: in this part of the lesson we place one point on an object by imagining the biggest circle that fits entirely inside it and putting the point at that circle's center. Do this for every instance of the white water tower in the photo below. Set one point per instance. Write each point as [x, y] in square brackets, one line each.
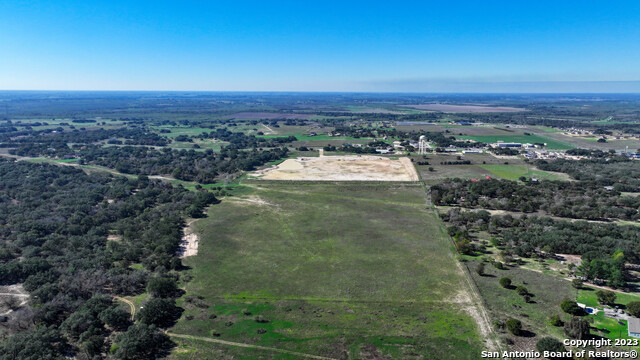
[422, 145]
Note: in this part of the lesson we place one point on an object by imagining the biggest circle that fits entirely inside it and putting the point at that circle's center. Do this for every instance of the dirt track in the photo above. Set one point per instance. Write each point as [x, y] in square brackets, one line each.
[131, 306]
[250, 346]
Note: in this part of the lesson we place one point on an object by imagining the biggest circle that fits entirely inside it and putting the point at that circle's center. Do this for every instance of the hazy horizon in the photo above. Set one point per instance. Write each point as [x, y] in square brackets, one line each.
[557, 88]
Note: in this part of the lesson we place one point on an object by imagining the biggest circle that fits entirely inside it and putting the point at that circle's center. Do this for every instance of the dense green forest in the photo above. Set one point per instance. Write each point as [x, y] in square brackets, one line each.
[201, 166]
[54, 225]
[58, 139]
[243, 153]
[570, 199]
[617, 171]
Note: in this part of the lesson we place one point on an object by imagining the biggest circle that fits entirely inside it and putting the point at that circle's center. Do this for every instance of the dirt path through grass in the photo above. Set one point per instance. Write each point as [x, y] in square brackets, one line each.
[131, 306]
[477, 311]
[249, 346]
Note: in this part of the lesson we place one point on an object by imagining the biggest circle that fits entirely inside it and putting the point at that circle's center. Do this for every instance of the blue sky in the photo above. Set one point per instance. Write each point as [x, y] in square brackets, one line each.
[474, 46]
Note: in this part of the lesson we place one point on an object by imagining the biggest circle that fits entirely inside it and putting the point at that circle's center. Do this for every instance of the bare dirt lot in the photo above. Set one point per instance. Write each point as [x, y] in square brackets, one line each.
[190, 241]
[464, 108]
[342, 168]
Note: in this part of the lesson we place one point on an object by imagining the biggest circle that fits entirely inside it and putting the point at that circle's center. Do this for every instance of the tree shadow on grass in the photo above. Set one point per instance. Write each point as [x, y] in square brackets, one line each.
[164, 349]
[527, 334]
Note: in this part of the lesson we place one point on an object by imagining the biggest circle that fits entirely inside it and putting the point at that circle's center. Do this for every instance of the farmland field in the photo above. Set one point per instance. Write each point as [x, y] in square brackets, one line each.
[336, 270]
[551, 143]
[475, 170]
[267, 115]
[464, 108]
[513, 172]
[591, 142]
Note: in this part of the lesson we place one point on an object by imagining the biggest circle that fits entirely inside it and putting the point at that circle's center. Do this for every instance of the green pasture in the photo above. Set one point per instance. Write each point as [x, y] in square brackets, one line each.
[337, 270]
[551, 143]
[514, 171]
[547, 293]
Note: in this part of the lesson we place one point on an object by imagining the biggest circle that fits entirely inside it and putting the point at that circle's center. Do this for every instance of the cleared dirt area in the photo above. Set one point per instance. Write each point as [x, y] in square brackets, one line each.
[464, 108]
[190, 241]
[342, 168]
[12, 297]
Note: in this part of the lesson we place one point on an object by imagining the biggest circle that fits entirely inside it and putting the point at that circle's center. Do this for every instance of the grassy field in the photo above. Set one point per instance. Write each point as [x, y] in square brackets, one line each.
[204, 145]
[551, 143]
[482, 165]
[591, 142]
[338, 270]
[547, 129]
[607, 327]
[548, 291]
[588, 296]
[515, 171]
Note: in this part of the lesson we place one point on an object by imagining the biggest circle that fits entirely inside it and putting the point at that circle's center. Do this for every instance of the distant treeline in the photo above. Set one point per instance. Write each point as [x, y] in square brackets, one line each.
[618, 171]
[578, 200]
[55, 139]
[200, 166]
[189, 165]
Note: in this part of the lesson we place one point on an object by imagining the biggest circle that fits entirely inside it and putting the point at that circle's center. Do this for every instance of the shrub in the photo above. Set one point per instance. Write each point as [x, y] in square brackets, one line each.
[480, 269]
[522, 291]
[555, 320]
[162, 287]
[577, 283]
[606, 297]
[514, 326]
[549, 344]
[140, 341]
[116, 317]
[577, 328]
[571, 307]
[159, 312]
[505, 282]
[633, 308]
[261, 319]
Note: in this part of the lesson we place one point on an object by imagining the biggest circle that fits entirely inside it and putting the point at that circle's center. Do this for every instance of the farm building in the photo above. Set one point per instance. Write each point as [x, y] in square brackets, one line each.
[508, 145]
